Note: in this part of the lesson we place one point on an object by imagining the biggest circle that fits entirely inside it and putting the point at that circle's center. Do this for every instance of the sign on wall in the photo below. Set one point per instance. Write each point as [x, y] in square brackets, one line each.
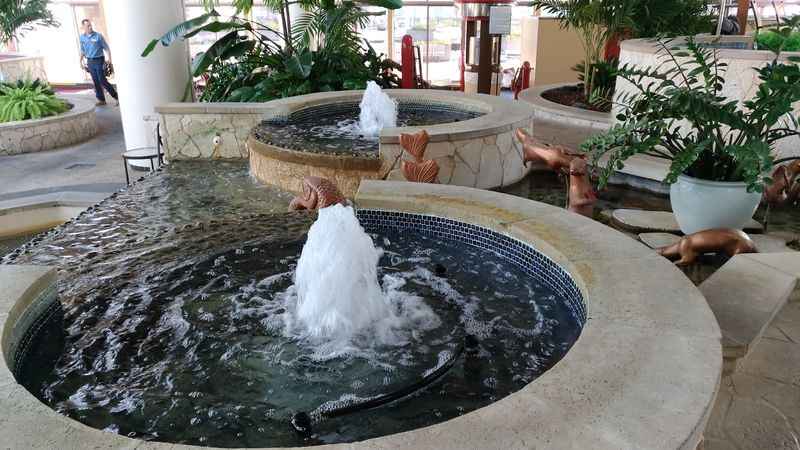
[500, 19]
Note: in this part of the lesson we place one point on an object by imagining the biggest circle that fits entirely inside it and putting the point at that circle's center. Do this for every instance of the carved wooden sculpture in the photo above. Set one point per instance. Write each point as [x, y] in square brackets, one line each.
[785, 180]
[415, 144]
[419, 170]
[581, 194]
[732, 242]
[318, 193]
[555, 158]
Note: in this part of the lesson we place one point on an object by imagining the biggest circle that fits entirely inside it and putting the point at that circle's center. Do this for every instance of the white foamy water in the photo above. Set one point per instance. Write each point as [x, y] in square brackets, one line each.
[336, 299]
[378, 111]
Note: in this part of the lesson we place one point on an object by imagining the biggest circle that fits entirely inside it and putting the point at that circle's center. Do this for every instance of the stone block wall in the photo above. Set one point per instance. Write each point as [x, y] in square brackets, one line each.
[483, 162]
[73, 127]
[190, 135]
[22, 68]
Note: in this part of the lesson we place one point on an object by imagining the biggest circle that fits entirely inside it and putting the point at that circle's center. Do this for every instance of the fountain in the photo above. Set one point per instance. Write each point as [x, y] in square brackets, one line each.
[378, 111]
[350, 136]
[337, 291]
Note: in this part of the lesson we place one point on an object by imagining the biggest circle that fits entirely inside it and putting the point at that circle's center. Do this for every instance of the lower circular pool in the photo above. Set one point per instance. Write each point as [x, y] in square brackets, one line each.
[182, 332]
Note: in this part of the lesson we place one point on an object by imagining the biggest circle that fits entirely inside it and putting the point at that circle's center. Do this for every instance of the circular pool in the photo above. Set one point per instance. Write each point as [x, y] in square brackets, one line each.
[583, 335]
[471, 139]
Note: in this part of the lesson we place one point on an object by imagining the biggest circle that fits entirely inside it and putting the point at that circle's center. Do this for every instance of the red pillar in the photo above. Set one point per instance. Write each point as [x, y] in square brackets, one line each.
[407, 62]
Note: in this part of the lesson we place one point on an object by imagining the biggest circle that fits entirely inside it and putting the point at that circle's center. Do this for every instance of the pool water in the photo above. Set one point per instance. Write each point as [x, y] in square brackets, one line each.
[173, 294]
[333, 129]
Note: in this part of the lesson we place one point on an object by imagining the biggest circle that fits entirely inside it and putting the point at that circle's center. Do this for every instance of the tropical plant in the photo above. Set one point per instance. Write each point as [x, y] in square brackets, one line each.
[604, 81]
[253, 62]
[17, 16]
[670, 18]
[28, 100]
[784, 36]
[595, 21]
[677, 112]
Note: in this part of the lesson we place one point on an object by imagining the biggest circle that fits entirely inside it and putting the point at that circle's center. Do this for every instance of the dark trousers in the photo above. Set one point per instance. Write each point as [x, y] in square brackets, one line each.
[97, 70]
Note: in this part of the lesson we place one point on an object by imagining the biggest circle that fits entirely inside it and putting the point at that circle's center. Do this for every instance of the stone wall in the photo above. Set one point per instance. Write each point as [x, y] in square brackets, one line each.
[482, 162]
[22, 68]
[481, 152]
[73, 127]
[189, 131]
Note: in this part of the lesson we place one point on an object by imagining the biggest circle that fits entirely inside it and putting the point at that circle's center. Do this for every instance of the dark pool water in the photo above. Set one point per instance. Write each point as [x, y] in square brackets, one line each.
[549, 188]
[172, 326]
[333, 129]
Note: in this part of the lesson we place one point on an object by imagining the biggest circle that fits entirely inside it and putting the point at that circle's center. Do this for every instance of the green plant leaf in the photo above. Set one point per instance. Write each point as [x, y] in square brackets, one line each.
[179, 31]
[214, 53]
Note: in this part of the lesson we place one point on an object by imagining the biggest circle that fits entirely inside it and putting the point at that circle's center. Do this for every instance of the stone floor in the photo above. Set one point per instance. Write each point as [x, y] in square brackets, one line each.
[93, 166]
[758, 407]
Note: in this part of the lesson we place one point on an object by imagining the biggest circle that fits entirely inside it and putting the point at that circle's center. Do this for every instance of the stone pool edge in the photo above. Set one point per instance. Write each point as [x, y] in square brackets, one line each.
[643, 374]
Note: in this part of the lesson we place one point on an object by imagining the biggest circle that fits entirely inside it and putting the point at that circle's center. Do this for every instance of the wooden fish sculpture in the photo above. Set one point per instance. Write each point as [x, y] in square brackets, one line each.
[318, 193]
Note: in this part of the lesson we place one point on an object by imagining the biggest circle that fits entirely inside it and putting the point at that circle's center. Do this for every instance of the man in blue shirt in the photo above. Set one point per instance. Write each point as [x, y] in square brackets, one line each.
[93, 46]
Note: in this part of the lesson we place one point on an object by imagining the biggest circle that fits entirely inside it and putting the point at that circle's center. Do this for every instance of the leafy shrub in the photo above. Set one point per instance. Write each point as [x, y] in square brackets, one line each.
[253, 62]
[604, 76]
[28, 100]
[17, 16]
[770, 39]
[677, 112]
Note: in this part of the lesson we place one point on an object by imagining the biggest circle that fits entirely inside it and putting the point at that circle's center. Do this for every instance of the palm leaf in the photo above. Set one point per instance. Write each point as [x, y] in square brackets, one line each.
[179, 31]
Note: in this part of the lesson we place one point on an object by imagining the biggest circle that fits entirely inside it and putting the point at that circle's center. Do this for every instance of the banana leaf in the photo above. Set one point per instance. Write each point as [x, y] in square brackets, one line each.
[179, 31]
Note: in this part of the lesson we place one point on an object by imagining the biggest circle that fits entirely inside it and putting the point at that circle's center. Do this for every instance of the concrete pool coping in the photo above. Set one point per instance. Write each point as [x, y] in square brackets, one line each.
[499, 114]
[643, 374]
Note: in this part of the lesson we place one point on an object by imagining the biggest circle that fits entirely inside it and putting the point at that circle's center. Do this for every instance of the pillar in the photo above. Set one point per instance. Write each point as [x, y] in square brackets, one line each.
[144, 83]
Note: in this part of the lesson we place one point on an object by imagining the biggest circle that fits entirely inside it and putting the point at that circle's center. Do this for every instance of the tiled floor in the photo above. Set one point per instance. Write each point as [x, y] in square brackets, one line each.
[759, 405]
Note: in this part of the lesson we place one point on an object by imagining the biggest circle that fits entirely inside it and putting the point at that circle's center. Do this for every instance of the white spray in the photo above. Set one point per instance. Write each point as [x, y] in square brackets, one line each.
[378, 111]
[336, 296]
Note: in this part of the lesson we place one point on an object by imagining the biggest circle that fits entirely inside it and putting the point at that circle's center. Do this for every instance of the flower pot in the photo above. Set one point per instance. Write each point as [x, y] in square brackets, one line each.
[703, 205]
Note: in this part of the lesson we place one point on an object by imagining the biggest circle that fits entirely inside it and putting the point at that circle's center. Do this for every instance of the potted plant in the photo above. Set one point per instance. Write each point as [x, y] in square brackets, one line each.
[720, 151]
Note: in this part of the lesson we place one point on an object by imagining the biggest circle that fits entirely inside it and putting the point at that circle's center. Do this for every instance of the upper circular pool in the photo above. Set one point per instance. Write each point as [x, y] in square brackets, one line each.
[333, 128]
[471, 139]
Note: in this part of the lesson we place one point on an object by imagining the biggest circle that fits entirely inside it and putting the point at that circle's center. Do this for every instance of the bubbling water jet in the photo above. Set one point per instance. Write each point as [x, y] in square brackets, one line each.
[336, 294]
[378, 111]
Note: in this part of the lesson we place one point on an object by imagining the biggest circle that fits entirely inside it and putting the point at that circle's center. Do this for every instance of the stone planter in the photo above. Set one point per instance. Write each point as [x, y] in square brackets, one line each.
[21, 67]
[74, 126]
[568, 116]
[703, 205]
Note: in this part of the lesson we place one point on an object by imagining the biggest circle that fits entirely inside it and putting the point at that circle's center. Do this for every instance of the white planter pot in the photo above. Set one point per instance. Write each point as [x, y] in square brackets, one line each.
[703, 205]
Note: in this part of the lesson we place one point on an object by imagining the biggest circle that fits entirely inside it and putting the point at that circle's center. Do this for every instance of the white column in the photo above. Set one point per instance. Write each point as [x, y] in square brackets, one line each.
[144, 83]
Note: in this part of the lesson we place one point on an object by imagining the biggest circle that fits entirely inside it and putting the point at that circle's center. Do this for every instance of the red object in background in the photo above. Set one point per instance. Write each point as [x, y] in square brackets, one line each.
[522, 80]
[612, 48]
[408, 80]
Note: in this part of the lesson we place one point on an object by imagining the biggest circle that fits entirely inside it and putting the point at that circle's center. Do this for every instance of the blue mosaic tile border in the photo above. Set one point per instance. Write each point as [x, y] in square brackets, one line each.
[47, 310]
[527, 258]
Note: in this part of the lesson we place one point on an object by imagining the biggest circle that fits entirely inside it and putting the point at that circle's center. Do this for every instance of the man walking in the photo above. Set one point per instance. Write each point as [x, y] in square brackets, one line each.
[93, 46]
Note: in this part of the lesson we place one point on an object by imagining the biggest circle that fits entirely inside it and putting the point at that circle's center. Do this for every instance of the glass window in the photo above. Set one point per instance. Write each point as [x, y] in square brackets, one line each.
[376, 32]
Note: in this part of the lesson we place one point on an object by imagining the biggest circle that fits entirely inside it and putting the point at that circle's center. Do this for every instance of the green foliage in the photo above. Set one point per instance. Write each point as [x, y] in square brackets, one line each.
[595, 21]
[785, 37]
[604, 81]
[252, 62]
[17, 16]
[668, 18]
[677, 112]
[28, 100]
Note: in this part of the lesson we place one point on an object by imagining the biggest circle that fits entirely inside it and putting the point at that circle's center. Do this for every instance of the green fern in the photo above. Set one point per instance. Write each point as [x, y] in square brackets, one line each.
[28, 100]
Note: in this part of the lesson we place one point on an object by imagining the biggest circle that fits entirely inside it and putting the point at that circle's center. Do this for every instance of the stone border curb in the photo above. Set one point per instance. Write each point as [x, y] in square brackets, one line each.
[643, 374]
[73, 127]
